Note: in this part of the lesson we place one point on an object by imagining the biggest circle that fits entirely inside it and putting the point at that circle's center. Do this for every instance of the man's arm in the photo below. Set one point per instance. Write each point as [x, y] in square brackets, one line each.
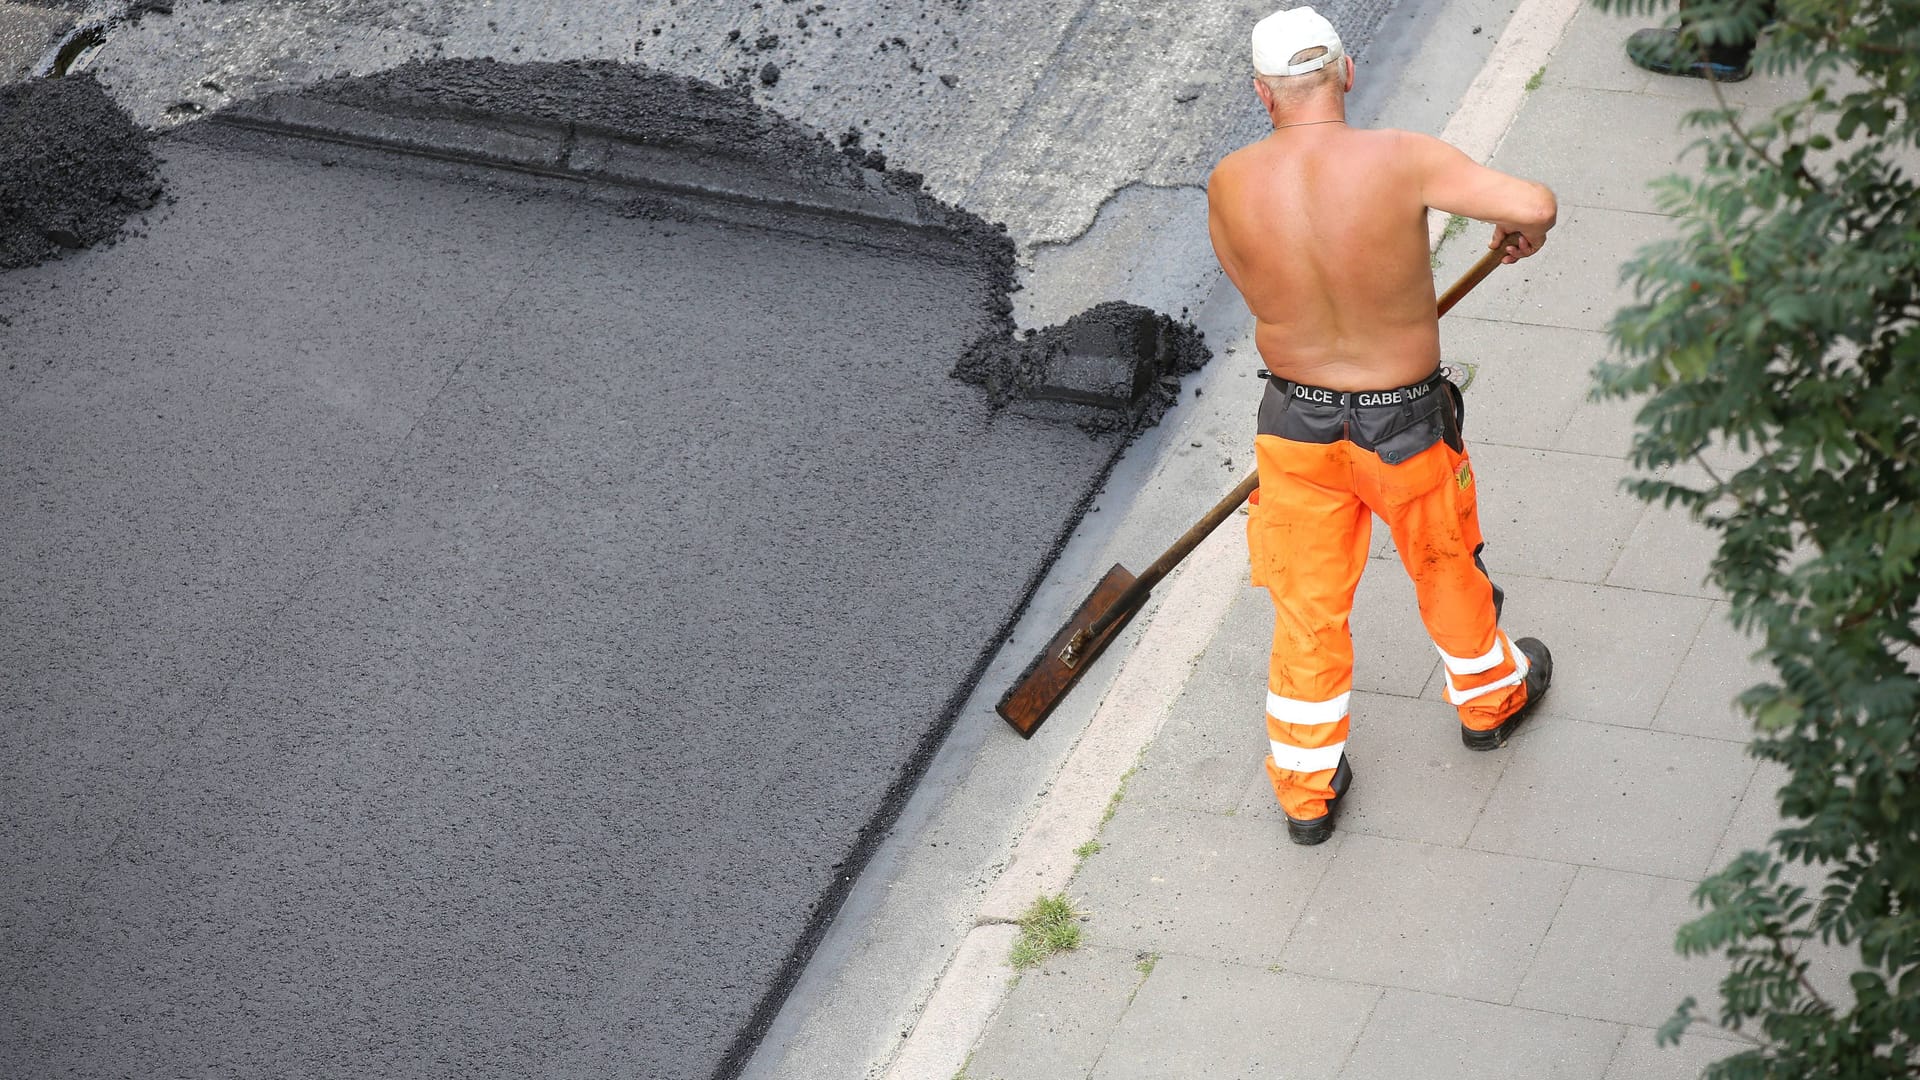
[1454, 183]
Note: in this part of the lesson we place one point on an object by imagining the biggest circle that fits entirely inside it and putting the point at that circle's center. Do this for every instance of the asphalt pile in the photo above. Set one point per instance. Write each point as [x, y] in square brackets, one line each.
[73, 167]
[1114, 367]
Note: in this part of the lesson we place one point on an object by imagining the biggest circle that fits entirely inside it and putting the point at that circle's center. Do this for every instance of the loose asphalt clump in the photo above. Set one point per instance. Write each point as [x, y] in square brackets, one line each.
[1113, 367]
[73, 167]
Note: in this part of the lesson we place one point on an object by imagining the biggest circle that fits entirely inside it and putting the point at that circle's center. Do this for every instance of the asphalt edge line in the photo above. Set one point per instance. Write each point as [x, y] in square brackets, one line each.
[970, 991]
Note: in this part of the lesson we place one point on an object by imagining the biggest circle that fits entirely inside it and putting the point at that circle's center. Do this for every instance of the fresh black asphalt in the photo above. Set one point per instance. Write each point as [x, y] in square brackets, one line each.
[454, 629]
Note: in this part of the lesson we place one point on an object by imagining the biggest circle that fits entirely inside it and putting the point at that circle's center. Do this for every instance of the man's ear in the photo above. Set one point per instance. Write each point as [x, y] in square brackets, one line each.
[1265, 95]
[1349, 88]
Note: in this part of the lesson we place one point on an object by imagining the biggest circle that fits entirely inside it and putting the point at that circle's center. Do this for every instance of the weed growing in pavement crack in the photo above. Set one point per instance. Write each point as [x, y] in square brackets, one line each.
[1144, 965]
[1051, 925]
[1120, 793]
[1534, 82]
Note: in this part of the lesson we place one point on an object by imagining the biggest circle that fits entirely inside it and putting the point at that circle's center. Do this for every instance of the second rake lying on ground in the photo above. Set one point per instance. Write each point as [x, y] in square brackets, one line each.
[1044, 684]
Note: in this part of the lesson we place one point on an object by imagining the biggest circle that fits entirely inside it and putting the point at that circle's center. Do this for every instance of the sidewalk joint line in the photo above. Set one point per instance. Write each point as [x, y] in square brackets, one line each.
[1745, 794]
[1617, 458]
[1646, 513]
[1617, 1044]
[1480, 814]
[1545, 861]
[1618, 210]
[1380, 993]
[1313, 890]
[1648, 730]
[1698, 631]
[1534, 958]
[1522, 575]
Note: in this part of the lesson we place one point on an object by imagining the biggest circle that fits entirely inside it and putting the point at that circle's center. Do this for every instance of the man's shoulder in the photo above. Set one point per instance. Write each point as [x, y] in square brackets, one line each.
[1405, 154]
[1412, 144]
[1238, 159]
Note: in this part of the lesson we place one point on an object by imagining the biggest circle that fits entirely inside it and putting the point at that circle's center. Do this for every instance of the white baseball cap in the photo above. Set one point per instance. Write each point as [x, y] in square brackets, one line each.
[1282, 34]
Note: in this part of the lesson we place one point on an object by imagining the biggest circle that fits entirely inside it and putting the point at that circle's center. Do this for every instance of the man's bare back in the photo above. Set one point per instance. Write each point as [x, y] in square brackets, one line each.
[1323, 228]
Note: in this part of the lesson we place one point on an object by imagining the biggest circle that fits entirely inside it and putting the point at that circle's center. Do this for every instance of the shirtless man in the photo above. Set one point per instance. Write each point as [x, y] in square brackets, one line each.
[1323, 228]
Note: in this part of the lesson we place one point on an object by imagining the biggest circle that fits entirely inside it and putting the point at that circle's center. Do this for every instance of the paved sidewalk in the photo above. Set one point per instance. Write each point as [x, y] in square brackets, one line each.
[1508, 914]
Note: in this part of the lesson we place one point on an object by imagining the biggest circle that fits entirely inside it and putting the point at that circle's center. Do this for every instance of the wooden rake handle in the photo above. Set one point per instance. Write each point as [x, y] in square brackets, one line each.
[1222, 510]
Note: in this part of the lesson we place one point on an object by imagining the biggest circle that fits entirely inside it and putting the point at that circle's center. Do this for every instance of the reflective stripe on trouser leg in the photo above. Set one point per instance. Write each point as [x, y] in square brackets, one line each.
[1306, 740]
[1307, 534]
[1482, 686]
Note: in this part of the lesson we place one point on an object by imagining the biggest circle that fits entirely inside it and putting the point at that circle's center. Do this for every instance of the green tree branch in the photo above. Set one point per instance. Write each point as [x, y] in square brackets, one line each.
[1783, 318]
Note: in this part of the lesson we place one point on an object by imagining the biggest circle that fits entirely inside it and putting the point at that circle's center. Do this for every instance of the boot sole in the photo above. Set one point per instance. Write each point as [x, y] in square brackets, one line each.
[1313, 832]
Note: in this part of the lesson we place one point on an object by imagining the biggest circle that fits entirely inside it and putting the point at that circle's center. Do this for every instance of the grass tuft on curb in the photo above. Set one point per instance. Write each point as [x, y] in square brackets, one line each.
[1051, 925]
[1456, 225]
[1533, 83]
[1120, 793]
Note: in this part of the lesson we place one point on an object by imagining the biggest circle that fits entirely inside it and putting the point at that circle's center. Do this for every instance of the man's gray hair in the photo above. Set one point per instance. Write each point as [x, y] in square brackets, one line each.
[1289, 89]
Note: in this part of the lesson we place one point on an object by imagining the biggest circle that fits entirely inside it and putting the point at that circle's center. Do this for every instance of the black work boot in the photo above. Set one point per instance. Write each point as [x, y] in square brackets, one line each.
[1317, 830]
[1662, 52]
[1539, 674]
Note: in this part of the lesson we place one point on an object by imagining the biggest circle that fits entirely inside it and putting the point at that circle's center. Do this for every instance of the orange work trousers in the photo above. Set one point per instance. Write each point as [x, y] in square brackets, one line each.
[1329, 461]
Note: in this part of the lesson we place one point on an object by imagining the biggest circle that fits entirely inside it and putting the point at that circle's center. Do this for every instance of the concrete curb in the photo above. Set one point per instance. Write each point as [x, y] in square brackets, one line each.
[966, 998]
[1154, 672]
[1043, 860]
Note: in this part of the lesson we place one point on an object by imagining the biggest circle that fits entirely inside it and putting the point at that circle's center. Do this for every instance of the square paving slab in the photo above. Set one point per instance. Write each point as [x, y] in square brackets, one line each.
[1398, 913]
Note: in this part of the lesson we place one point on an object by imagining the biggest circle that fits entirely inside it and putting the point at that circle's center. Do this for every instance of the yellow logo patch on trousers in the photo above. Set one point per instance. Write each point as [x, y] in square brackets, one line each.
[1464, 476]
